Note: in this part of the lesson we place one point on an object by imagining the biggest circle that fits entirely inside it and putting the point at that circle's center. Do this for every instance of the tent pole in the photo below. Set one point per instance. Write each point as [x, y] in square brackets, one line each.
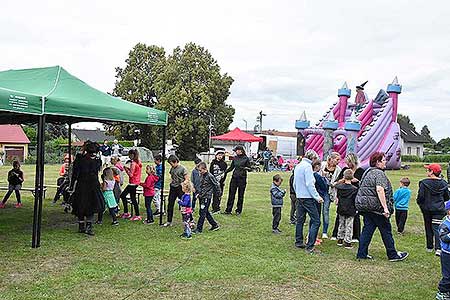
[39, 184]
[162, 208]
[69, 148]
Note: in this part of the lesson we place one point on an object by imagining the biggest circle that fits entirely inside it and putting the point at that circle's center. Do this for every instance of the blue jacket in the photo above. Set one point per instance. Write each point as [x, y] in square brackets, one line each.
[322, 186]
[304, 182]
[276, 195]
[185, 200]
[158, 169]
[195, 179]
[444, 235]
[401, 198]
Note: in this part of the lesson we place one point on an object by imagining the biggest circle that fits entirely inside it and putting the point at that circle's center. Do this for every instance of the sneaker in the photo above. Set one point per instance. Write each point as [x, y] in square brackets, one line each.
[238, 213]
[340, 242]
[18, 205]
[276, 231]
[333, 238]
[136, 218]
[312, 251]
[300, 245]
[355, 241]
[2, 205]
[125, 216]
[318, 242]
[367, 257]
[214, 228]
[186, 237]
[157, 213]
[442, 296]
[167, 224]
[400, 256]
[146, 221]
[227, 212]
[215, 212]
[99, 222]
[196, 231]
[115, 223]
[438, 252]
[324, 236]
[348, 245]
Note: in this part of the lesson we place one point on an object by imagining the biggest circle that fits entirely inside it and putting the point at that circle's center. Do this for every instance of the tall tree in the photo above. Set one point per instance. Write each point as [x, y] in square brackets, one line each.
[405, 119]
[136, 83]
[193, 92]
[426, 133]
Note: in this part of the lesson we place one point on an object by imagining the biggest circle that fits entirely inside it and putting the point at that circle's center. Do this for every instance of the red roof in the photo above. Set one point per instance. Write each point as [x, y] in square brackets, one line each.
[13, 134]
[238, 135]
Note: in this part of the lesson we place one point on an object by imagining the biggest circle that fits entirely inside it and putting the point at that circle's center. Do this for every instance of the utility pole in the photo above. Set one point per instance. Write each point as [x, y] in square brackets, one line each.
[210, 127]
[245, 121]
[259, 119]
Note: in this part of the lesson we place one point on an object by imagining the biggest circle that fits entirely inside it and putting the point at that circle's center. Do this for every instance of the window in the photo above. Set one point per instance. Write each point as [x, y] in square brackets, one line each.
[418, 151]
[408, 150]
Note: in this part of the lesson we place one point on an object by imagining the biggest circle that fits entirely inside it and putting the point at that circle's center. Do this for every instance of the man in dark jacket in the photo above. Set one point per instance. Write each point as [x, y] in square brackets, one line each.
[433, 192]
[208, 187]
[217, 168]
[239, 166]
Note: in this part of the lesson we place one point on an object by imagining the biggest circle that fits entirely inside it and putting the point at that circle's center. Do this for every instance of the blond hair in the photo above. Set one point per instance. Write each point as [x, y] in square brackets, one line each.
[187, 187]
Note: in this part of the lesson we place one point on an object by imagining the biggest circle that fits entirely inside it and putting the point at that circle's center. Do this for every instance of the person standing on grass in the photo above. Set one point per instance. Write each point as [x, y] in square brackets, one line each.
[186, 209]
[293, 197]
[208, 187]
[134, 175]
[352, 161]
[15, 180]
[401, 203]
[116, 148]
[307, 198]
[107, 185]
[218, 167]
[87, 198]
[158, 185]
[276, 197]
[267, 155]
[374, 202]
[105, 152]
[321, 187]
[149, 192]
[432, 194]
[330, 170]
[345, 201]
[444, 237]
[240, 165]
[195, 180]
[178, 174]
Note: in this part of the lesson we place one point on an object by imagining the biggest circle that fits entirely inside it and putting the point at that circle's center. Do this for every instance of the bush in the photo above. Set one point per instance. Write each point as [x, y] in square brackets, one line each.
[411, 158]
[127, 143]
[437, 158]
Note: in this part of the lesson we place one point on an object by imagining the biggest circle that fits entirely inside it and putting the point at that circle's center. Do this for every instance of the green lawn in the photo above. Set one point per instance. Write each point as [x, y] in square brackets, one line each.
[243, 260]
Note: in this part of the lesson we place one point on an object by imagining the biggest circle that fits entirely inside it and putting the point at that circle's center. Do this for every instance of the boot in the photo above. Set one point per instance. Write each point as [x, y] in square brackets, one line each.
[89, 228]
[81, 227]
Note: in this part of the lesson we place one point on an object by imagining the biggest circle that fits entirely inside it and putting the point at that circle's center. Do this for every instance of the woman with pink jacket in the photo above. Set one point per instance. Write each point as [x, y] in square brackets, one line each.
[134, 174]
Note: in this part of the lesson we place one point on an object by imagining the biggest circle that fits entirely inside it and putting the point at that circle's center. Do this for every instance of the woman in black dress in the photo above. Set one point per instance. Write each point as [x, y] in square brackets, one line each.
[87, 196]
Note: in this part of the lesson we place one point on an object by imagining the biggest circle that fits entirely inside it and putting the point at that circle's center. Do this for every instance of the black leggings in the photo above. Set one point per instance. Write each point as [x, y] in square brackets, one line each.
[174, 193]
[9, 194]
[130, 189]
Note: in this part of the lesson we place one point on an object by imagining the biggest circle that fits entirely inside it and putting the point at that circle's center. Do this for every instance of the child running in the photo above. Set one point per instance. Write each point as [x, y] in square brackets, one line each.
[276, 196]
[186, 209]
[401, 202]
[108, 193]
[346, 195]
[149, 192]
[444, 237]
[15, 180]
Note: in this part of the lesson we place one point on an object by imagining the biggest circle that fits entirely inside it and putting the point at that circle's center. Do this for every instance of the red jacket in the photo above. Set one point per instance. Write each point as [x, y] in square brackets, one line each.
[149, 185]
[134, 172]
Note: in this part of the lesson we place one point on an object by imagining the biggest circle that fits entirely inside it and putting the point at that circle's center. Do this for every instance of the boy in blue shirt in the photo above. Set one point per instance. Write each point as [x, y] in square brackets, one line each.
[444, 237]
[401, 203]
[276, 197]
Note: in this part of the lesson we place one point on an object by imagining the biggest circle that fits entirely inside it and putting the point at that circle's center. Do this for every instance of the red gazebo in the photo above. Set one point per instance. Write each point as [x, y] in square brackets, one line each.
[238, 136]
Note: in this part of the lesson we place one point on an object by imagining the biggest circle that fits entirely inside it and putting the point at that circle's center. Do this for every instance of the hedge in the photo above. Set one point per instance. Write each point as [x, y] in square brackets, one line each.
[436, 158]
[411, 158]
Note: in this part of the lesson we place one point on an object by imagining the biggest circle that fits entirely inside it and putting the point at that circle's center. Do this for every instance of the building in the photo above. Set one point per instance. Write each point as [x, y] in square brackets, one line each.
[96, 135]
[411, 141]
[13, 143]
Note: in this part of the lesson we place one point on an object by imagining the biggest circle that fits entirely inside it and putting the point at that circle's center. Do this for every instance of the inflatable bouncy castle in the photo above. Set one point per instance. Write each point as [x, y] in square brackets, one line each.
[362, 127]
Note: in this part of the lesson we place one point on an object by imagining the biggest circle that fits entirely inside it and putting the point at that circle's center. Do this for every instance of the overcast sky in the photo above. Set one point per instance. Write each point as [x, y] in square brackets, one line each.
[285, 56]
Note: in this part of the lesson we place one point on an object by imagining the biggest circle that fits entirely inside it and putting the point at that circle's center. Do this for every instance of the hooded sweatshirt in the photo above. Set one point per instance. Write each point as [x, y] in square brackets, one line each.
[432, 195]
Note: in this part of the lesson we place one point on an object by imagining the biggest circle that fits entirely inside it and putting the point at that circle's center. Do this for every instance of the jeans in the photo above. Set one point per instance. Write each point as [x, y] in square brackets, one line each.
[307, 206]
[11, 188]
[187, 224]
[174, 193]
[148, 207]
[373, 221]
[204, 213]
[444, 284]
[276, 213]
[130, 189]
[112, 213]
[266, 165]
[326, 213]
[432, 221]
[400, 219]
[293, 213]
[236, 184]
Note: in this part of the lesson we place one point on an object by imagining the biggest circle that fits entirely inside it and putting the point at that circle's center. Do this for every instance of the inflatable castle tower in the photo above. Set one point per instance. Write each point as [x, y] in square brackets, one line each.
[363, 127]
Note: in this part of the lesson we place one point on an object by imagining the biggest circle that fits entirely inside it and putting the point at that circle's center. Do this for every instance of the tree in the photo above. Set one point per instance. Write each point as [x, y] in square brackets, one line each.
[193, 91]
[426, 133]
[443, 145]
[406, 120]
[135, 83]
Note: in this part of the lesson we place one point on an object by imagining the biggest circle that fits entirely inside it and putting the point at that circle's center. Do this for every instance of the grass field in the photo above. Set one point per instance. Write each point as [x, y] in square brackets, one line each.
[243, 260]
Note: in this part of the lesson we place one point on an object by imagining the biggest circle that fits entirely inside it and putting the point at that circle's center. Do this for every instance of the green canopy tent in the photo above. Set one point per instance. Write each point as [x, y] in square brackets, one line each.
[54, 95]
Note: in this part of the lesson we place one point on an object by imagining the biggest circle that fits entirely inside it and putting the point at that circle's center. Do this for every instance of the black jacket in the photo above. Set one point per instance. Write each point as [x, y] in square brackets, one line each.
[240, 165]
[346, 194]
[208, 186]
[217, 168]
[432, 195]
[15, 177]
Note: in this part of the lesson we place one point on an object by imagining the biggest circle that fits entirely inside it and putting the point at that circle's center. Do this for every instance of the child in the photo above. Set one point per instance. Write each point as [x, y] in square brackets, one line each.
[134, 174]
[208, 187]
[15, 180]
[108, 193]
[276, 196]
[444, 237]
[149, 192]
[158, 185]
[195, 179]
[401, 202]
[346, 195]
[218, 167]
[186, 209]
[293, 197]
[322, 188]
